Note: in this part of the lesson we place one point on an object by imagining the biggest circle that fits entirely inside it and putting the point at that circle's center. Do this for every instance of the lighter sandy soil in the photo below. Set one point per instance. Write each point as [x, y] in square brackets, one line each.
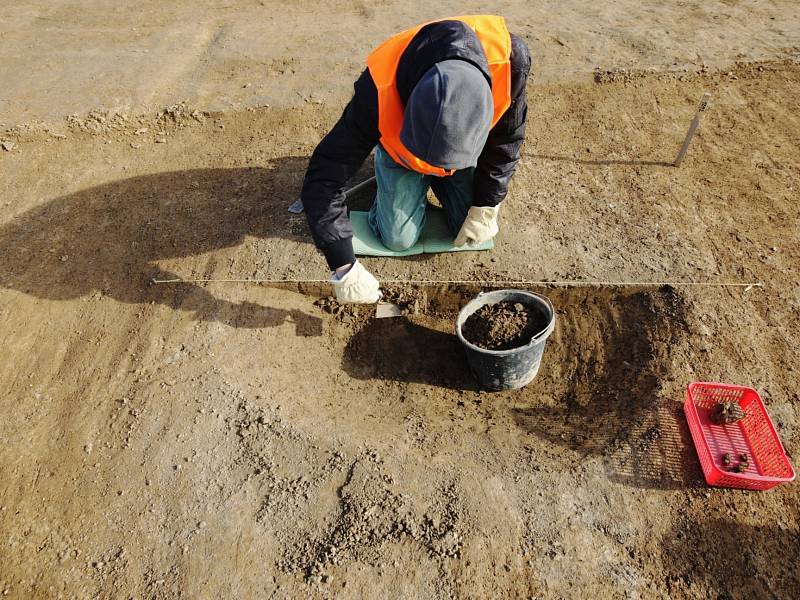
[71, 56]
[246, 440]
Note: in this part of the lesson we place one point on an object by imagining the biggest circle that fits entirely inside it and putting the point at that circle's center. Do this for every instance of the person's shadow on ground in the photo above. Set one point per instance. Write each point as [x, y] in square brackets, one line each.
[398, 349]
[604, 368]
[728, 557]
[110, 238]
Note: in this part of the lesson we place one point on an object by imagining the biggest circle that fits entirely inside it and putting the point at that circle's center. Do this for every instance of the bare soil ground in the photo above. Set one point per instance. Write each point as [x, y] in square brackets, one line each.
[234, 440]
[71, 56]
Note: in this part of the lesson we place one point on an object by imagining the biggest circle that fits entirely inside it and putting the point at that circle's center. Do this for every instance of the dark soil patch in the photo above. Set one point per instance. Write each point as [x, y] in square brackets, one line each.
[503, 326]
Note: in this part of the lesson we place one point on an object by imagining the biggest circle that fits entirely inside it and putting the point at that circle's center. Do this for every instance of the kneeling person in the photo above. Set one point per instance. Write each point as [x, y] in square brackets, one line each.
[445, 105]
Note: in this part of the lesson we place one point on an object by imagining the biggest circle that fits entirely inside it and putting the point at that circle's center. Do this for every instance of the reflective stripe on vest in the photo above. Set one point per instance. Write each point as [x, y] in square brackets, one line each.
[382, 65]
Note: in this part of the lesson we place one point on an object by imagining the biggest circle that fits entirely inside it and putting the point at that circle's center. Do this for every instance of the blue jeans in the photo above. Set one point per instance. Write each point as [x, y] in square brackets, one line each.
[398, 214]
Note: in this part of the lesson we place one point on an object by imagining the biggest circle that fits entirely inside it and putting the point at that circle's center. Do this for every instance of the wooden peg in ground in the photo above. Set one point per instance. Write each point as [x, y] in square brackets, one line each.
[692, 128]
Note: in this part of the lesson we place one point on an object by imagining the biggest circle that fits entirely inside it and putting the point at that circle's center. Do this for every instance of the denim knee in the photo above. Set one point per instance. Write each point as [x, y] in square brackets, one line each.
[399, 239]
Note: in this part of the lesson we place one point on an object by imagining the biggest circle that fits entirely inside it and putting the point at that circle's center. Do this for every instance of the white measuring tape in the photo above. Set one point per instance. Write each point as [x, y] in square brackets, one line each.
[568, 282]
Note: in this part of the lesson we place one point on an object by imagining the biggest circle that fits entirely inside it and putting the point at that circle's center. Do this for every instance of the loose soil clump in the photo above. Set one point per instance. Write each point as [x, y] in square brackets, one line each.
[502, 326]
[726, 412]
[411, 300]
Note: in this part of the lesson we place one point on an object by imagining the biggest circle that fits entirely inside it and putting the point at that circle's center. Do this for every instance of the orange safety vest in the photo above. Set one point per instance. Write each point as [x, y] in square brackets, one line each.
[382, 64]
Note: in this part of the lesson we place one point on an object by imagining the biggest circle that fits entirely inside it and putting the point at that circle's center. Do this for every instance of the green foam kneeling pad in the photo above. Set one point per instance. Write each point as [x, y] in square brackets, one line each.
[366, 243]
[436, 237]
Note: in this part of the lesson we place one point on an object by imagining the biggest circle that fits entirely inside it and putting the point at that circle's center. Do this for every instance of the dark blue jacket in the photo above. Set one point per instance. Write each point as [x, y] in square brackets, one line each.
[341, 153]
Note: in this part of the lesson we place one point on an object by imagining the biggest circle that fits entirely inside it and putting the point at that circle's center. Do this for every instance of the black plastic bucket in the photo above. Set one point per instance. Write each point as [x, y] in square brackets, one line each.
[514, 368]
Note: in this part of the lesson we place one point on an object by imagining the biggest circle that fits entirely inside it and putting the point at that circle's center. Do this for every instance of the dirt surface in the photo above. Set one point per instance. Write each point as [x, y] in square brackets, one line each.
[502, 326]
[226, 439]
[64, 57]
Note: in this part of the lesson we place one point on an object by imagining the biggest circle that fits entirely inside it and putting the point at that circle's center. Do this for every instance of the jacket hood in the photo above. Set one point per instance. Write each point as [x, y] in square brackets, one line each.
[448, 115]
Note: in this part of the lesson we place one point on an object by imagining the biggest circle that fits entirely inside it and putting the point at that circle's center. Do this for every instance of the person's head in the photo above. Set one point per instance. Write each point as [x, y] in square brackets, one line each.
[448, 115]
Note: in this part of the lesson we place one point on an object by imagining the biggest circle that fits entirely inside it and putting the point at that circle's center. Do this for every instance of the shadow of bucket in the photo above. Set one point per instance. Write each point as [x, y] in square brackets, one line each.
[514, 368]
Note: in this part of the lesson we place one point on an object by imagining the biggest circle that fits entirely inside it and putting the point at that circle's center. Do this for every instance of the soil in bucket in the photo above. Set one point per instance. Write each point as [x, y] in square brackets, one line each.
[503, 326]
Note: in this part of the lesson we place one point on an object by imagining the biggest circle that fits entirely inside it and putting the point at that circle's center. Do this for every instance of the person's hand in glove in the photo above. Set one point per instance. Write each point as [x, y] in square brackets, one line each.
[479, 226]
[355, 285]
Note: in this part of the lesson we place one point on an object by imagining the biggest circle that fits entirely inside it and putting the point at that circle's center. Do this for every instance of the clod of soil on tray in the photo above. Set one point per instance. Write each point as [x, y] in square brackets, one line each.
[502, 326]
[726, 412]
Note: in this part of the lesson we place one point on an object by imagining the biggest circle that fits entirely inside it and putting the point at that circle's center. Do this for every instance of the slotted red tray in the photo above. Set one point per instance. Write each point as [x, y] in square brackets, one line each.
[753, 435]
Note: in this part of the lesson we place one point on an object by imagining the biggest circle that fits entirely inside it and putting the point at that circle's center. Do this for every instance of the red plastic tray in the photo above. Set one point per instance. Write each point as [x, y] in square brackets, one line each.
[754, 435]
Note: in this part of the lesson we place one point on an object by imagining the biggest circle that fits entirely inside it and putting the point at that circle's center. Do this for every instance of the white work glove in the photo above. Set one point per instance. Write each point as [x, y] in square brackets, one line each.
[356, 285]
[479, 226]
